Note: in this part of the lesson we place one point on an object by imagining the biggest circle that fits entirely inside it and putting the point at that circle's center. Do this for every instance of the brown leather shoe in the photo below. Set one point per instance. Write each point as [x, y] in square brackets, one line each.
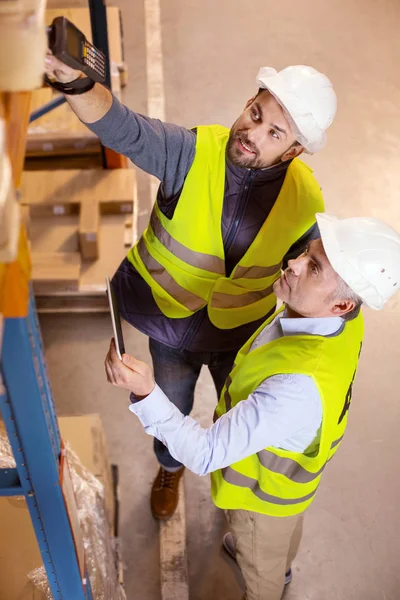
[164, 493]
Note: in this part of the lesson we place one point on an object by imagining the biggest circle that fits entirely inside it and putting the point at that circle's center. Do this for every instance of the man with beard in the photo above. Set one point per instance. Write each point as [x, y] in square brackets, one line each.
[232, 208]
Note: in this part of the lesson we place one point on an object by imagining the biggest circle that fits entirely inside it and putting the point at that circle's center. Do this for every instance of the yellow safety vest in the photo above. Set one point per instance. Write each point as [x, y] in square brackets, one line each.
[182, 259]
[278, 482]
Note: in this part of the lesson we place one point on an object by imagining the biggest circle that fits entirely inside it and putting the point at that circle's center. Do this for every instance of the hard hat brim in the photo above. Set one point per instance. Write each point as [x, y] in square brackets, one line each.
[327, 227]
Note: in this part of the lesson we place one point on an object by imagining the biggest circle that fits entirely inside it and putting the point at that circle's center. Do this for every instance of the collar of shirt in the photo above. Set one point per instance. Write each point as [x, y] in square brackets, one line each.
[283, 326]
[312, 326]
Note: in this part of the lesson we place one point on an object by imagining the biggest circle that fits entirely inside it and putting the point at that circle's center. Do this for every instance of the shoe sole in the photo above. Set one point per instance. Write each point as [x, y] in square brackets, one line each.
[162, 517]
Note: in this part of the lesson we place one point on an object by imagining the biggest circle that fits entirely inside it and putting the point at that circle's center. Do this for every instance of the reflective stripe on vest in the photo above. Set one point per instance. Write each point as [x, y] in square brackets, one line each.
[256, 272]
[290, 468]
[168, 283]
[195, 259]
[241, 480]
[220, 300]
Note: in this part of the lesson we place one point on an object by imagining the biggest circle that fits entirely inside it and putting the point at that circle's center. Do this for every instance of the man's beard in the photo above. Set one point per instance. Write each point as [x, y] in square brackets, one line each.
[239, 159]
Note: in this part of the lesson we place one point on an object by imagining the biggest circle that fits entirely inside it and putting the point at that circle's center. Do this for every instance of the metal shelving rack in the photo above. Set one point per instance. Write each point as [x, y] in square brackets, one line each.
[26, 400]
[28, 412]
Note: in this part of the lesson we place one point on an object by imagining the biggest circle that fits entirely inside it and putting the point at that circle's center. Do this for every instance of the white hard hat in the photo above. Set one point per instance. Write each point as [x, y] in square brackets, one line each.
[307, 97]
[365, 252]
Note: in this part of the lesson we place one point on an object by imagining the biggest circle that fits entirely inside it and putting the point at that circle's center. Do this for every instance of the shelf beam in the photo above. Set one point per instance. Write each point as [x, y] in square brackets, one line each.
[10, 484]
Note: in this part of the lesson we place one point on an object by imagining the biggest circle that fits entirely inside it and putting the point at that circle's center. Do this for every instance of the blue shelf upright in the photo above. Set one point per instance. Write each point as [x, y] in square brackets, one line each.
[27, 409]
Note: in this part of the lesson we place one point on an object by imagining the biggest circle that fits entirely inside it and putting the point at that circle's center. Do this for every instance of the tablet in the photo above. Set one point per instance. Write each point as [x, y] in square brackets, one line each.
[116, 320]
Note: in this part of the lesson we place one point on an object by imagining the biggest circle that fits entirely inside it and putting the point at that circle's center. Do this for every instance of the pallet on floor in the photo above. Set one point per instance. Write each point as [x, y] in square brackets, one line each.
[80, 225]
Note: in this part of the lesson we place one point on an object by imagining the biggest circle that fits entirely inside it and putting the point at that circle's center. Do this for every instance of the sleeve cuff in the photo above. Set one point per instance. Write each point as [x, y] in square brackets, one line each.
[154, 408]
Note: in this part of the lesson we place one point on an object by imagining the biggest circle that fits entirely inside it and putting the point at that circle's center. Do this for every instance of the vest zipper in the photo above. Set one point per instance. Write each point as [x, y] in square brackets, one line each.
[239, 212]
[244, 196]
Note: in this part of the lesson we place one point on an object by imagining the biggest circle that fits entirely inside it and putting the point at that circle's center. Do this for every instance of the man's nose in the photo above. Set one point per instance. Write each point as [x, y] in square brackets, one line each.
[253, 134]
[295, 265]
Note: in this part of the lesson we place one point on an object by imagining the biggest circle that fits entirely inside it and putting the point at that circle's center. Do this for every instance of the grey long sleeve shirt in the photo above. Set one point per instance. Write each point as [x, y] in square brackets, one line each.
[167, 151]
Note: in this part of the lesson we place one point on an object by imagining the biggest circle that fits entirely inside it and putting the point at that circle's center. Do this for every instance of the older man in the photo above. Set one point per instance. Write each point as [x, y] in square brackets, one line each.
[232, 206]
[283, 411]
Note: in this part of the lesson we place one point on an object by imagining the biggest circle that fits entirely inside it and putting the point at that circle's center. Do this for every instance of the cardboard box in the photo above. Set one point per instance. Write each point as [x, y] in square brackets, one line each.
[89, 226]
[19, 552]
[86, 436]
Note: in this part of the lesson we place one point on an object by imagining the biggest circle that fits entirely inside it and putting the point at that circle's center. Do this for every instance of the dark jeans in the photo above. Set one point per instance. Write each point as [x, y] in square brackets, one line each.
[176, 372]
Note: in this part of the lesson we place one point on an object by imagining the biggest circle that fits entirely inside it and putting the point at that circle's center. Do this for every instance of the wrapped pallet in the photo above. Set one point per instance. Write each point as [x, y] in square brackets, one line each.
[22, 576]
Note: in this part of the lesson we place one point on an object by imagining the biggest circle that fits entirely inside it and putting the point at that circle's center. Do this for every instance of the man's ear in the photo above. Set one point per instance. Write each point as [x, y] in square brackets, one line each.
[295, 150]
[341, 307]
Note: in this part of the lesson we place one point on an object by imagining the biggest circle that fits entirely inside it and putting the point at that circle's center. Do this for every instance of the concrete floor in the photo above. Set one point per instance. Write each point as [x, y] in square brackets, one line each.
[212, 51]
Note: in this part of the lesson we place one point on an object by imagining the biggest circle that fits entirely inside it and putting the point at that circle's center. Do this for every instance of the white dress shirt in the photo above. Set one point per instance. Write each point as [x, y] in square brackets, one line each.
[285, 411]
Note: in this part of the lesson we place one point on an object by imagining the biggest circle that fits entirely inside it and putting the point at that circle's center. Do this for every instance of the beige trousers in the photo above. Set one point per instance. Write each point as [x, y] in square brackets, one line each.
[265, 549]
